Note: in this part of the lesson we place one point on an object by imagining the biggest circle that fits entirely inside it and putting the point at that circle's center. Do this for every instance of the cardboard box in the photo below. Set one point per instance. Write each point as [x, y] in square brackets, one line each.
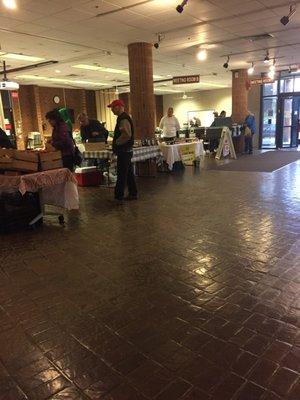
[98, 146]
[46, 165]
[49, 155]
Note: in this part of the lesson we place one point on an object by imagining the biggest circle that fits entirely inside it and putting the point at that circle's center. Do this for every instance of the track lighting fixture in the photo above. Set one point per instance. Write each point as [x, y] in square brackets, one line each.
[226, 64]
[181, 6]
[202, 55]
[286, 19]
[267, 58]
[160, 37]
[251, 69]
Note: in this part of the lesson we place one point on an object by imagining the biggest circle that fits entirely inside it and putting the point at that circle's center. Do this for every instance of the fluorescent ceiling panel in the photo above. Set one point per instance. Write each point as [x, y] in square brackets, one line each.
[107, 69]
[59, 80]
[21, 57]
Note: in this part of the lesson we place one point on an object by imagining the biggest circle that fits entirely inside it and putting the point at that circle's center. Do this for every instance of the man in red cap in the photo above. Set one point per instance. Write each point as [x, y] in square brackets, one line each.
[123, 148]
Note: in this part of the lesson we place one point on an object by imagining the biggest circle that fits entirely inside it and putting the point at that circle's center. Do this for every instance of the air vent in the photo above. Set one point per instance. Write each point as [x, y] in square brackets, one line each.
[73, 75]
[259, 37]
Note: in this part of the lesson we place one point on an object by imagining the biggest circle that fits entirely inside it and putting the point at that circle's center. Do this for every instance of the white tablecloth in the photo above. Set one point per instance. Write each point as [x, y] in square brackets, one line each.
[171, 153]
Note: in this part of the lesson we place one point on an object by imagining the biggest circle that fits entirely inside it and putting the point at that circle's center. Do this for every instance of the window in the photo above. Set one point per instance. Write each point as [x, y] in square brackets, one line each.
[270, 89]
[287, 85]
[297, 84]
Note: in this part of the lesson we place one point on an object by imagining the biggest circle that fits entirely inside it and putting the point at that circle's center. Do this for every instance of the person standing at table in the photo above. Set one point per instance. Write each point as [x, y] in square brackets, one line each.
[61, 139]
[169, 124]
[123, 147]
[91, 129]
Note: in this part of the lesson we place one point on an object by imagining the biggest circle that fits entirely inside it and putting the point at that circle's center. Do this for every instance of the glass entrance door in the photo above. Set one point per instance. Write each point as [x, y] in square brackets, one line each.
[269, 117]
[290, 121]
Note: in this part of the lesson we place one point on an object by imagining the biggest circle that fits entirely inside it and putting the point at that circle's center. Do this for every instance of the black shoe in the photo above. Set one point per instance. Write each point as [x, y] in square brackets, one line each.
[131, 198]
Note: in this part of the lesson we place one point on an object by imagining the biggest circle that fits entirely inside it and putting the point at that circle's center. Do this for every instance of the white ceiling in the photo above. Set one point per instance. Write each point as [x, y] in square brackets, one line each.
[72, 32]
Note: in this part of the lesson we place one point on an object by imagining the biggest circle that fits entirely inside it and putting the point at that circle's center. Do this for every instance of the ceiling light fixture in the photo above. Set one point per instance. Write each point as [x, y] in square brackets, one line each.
[226, 64]
[184, 97]
[11, 4]
[286, 19]
[267, 58]
[272, 67]
[202, 54]
[251, 69]
[181, 6]
[271, 74]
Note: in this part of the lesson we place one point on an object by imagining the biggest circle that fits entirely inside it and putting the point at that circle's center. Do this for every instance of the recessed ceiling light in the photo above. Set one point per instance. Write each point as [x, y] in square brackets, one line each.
[21, 57]
[202, 55]
[58, 71]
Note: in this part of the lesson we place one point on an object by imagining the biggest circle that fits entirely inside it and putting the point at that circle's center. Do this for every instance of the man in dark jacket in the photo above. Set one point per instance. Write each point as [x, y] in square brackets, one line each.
[4, 140]
[91, 130]
[123, 148]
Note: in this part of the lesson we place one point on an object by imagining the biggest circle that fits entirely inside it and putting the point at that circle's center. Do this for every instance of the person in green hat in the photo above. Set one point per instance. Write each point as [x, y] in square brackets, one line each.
[65, 116]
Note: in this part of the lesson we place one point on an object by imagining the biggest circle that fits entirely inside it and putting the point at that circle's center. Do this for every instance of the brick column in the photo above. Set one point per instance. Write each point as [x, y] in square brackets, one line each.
[127, 101]
[141, 89]
[239, 95]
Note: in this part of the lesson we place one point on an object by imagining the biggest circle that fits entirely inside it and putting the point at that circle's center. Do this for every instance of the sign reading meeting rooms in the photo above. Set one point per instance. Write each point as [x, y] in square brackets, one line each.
[180, 80]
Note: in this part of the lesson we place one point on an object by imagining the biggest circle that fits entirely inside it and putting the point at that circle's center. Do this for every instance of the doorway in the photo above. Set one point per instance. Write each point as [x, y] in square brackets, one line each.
[288, 134]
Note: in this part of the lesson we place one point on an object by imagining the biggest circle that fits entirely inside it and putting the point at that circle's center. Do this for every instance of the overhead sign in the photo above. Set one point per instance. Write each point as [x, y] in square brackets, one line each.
[180, 80]
[261, 81]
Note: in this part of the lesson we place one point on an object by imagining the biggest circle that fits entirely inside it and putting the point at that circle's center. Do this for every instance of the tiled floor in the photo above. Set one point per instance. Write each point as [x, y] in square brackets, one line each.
[190, 293]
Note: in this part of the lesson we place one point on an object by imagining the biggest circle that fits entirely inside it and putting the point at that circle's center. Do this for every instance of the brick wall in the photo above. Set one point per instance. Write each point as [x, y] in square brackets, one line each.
[91, 103]
[34, 102]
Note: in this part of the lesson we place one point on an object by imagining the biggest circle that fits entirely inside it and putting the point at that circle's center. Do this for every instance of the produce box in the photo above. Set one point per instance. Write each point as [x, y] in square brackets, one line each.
[49, 155]
[25, 155]
[26, 166]
[55, 164]
[16, 160]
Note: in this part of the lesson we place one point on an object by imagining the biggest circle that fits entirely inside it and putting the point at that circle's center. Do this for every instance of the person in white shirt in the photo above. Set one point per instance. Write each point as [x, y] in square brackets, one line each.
[169, 124]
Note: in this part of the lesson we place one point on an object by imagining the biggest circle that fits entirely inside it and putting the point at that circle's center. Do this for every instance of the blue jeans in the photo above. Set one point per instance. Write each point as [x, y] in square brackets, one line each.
[249, 144]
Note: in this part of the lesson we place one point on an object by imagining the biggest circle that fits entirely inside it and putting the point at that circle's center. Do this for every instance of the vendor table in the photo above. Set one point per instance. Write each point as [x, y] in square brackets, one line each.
[171, 153]
[139, 154]
[57, 187]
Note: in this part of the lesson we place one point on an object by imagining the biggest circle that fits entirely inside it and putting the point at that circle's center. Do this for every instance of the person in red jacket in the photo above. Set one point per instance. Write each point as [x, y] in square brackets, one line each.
[61, 139]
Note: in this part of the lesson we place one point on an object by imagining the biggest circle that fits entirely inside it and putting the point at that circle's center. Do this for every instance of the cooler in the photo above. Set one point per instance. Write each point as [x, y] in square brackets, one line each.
[88, 176]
